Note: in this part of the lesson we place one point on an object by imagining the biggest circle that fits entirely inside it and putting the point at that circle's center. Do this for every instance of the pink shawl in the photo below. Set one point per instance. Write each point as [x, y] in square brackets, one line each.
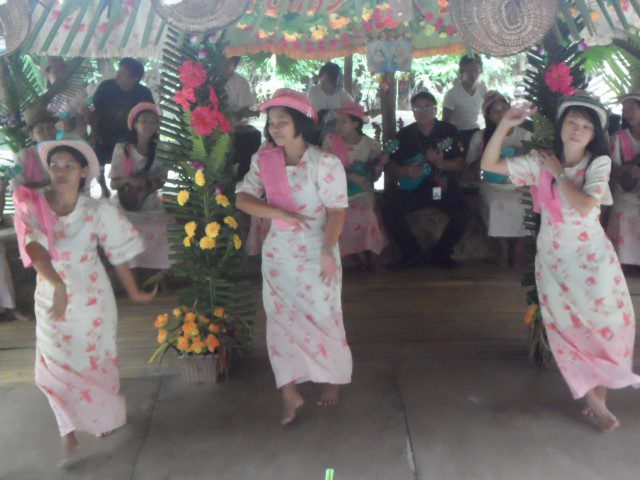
[32, 169]
[276, 184]
[545, 193]
[626, 147]
[26, 202]
[340, 149]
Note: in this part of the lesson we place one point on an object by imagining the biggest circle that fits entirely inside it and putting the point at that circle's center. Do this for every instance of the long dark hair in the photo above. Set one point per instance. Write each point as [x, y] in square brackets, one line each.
[133, 141]
[599, 145]
[490, 127]
[75, 153]
[302, 124]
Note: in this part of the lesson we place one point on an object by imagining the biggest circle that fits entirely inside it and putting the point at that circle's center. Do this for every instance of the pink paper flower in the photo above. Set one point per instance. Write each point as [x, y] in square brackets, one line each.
[559, 78]
[184, 97]
[203, 120]
[213, 97]
[192, 75]
[222, 121]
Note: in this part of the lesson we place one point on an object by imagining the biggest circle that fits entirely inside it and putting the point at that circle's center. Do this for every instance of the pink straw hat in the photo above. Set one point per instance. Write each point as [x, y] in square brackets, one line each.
[139, 108]
[349, 107]
[83, 147]
[490, 98]
[285, 97]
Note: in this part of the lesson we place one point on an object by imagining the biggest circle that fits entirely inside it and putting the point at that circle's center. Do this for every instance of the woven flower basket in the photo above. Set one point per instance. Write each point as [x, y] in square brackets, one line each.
[15, 20]
[200, 16]
[503, 27]
[199, 368]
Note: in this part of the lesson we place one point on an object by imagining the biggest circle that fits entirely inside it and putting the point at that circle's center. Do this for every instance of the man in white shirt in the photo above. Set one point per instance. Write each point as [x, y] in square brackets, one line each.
[240, 100]
[328, 94]
[463, 102]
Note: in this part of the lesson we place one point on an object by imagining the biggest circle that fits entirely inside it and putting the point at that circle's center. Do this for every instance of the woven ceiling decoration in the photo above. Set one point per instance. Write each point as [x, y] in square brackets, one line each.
[200, 16]
[503, 27]
[15, 20]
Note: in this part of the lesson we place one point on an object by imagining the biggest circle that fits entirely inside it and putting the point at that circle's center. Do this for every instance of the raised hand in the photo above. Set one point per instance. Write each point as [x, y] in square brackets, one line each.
[516, 116]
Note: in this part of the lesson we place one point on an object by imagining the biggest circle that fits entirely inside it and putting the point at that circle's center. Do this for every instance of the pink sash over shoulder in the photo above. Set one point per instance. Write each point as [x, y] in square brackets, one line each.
[273, 171]
[340, 149]
[25, 201]
[626, 146]
[31, 169]
[545, 193]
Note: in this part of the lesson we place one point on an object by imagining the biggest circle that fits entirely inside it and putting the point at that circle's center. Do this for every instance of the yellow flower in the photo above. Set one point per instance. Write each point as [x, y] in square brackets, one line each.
[212, 229]
[187, 241]
[177, 312]
[219, 312]
[236, 241]
[222, 200]
[183, 197]
[190, 228]
[199, 178]
[231, 222]
[318, 32]
[162, 335]
[207, 243]
[161, 320]
[531, 312]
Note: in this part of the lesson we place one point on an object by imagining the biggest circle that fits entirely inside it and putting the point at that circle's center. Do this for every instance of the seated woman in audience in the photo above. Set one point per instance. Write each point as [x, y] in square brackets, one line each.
[363, 160]
[502, 207]
[137, 175]
[40, 127]
[624, 220]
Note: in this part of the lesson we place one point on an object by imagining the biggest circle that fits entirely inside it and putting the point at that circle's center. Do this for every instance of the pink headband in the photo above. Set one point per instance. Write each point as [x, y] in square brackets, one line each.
[490, 98]
[285, 97]
[349, 107]
[139, 108]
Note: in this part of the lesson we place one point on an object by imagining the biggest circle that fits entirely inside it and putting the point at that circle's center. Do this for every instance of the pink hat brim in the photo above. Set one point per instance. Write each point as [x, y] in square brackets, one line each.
[83, 147]
[291, 102]
[139, 108]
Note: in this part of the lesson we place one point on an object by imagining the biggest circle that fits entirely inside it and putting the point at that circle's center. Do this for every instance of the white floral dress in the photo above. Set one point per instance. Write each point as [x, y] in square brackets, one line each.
[502, 207]
[305, 331]
[584, 299]
[76, 358]
[624, 221]
[152, 219]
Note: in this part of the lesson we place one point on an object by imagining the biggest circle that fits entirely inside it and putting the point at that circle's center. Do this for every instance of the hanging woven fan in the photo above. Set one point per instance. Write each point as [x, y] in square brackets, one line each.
[200, 16]
[503, 27]
[15, 20]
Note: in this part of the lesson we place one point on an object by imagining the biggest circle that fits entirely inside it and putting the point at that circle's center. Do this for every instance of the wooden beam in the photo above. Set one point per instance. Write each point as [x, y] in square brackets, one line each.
[348, 74]
[388, 105]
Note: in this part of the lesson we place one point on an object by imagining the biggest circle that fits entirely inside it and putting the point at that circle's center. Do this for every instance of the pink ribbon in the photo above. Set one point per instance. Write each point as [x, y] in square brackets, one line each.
[626, 147]
[32, 169]
[276, 184]
[127, 163]
[26, 202]
[545, 193]
[340, 149]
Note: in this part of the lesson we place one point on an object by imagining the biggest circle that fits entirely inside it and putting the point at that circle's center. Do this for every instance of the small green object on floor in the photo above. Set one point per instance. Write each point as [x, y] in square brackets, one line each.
[329, 474]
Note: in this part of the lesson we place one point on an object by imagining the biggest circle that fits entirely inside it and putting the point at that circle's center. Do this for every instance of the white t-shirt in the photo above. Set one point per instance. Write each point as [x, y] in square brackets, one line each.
[466, 108]
[321, 101]
[239, 95]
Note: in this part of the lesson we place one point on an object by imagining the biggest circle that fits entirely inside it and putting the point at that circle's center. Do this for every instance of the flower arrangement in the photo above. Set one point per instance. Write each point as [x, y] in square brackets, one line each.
[204, 239]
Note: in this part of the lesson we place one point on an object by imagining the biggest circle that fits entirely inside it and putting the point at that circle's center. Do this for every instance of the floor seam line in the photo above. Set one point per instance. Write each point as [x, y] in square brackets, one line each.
[146, 429]
[416, 473]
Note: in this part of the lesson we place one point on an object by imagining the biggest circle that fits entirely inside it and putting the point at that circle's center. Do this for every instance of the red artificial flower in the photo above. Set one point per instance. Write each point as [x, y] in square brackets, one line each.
[222, 121]
[184, 97]
[192, 75]
[203, 120]
[559, 79]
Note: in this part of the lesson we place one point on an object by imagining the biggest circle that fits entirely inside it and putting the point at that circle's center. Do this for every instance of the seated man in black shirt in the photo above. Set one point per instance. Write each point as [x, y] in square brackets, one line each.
[425, 164]
[112, 102]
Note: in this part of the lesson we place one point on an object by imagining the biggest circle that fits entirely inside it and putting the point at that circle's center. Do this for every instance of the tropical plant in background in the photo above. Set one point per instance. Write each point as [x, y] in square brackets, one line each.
[205, 240]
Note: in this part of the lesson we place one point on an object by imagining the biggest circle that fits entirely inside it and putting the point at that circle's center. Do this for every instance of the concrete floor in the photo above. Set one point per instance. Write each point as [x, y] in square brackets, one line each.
[426, 417]
[441, 390]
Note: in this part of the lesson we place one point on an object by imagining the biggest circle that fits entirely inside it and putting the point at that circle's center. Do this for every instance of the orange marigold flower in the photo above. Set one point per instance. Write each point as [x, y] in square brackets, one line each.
[214, 328]
[184, 309]
[531, 312]
[162, 335]
[190, 317]
[177, 312]
[212, 342]
[161, 320]
[183, 344]
[219, 312]
[198, 345]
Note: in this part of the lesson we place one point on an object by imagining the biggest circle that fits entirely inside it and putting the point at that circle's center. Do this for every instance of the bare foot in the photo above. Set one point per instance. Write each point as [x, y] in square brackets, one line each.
[603, 418]
[292, 402]
[330, 395]
[20, 317]
[69, 447]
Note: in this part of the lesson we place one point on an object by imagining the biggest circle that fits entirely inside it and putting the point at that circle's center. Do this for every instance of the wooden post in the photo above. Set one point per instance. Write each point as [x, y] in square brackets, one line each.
[347, 73]
[388, 106]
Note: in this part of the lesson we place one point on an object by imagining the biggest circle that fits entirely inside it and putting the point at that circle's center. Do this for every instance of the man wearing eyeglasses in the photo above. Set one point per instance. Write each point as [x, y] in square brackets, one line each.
[425, 164]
